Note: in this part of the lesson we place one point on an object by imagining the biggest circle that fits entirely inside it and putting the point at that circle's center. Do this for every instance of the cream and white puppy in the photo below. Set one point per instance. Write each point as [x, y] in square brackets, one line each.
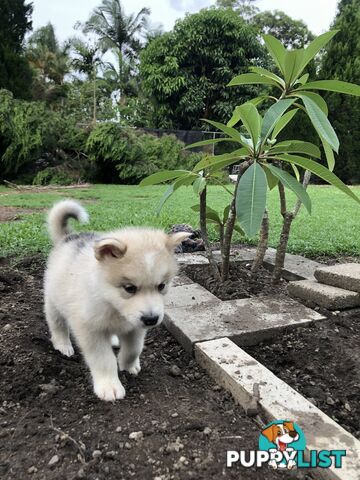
[98, 285]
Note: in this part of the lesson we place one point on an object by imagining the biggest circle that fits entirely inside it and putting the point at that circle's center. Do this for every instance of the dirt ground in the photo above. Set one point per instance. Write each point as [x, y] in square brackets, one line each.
[10, 214]
[53, 427]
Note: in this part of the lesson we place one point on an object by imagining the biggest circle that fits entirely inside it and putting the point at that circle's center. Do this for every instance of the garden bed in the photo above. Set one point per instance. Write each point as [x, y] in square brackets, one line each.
[49, 412]
[241, 284]
[321, 361]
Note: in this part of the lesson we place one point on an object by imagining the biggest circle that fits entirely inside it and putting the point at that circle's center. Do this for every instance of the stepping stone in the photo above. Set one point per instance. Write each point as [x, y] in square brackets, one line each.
[191, 259]
[345, 276]
[331, 298]
[188, 295]
[296, 267]
[246, 322]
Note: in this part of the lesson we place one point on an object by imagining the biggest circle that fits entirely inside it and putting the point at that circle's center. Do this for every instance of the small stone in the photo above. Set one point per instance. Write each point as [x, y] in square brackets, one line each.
[175, 414]
[197, 375]
[330, 401]
[175, 371]
[347, 406]
[106, 469]
[118, 429]
[31, 469]
[53, 460]
[111, 454]
[49, 388]
[81, 473]
[128, 445]
[96, 453]
[138, 436]
[6, 328]
[207, 431]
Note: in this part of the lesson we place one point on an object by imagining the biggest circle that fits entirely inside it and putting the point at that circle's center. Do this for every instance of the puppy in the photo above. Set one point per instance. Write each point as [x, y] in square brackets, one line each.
[98, 285]
[282, 435]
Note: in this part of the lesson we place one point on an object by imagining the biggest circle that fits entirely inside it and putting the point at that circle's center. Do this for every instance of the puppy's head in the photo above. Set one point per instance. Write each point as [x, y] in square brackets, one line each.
[281, 434]
[136, 267]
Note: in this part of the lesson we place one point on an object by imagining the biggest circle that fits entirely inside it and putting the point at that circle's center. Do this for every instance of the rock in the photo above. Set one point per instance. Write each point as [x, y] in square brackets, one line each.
[330, 401]
[6, 328]
[118, 429]
[111, 454]
[49, 388]
[175, 414]
[81, 473]
[347, 406]
[174, 446]
[53, 460]
[207, 431]
[175, 371]
[96, 453]
[32, 469]
[127, 445]
[138, 436]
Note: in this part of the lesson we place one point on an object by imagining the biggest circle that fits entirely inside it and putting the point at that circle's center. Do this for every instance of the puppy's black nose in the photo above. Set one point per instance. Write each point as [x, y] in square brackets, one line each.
[150, 320]
[293, 434]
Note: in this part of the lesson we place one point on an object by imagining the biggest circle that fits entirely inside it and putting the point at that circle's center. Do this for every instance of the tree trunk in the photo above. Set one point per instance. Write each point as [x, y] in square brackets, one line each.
[288, 218]
[229, 228]
[203, 228]
[262, 245]
[94, 101]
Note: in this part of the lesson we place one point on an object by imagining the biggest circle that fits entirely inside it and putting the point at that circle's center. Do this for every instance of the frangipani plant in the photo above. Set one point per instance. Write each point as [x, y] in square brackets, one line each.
[261, 156]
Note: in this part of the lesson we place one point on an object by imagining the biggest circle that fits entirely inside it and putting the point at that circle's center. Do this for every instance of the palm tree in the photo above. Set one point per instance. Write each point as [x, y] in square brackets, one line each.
[120, 33]
[87, 59]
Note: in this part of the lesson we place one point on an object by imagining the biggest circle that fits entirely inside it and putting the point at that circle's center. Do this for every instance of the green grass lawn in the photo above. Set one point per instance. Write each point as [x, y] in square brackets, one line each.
[332, 229]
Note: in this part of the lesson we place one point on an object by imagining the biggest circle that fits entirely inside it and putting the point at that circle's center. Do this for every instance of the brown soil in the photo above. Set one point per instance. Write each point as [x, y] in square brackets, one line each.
[322, 362]
[9, 214]
[241, 284]
[48, 410]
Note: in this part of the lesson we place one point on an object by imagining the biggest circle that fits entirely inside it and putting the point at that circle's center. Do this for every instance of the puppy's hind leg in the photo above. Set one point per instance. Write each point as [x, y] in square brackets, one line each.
[59, 330]
[131, 346]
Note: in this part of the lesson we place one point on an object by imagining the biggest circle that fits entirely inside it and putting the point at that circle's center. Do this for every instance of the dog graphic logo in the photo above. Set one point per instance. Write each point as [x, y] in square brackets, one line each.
[284, 437]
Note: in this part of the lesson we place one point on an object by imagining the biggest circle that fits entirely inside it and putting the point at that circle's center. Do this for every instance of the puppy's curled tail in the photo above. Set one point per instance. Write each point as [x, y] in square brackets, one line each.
[59, 216]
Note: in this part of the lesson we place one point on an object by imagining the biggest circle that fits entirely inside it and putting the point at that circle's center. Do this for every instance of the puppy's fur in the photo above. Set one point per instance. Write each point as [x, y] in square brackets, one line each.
[98, 285]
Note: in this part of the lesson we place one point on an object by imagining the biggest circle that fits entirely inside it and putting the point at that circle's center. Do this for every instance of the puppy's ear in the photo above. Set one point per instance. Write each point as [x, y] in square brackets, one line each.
[174, 239]
[109, 248]
[270, 433]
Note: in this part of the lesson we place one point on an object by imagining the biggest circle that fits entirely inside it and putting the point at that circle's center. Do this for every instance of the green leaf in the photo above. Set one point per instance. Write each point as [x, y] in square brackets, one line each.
[272, 181]
[290, 182]
[276, 50]
[211, 214]
[226, 213]
[320, 122]
[251, 79]
[296, 171]
[164, 198]
[320, 171]
[268, 74]
[283, 121]
[293, 62]
[333, 86]
[316, 45]
[238, 229]
[272, 116]
[251, 199]
[330, 158]
[258, 100]
[315, 97]
[211, 141]
[216, 160]
[199, 185]
[302, 80]
[296, 146]
[251, 120]
[231, 132]
[162, 176]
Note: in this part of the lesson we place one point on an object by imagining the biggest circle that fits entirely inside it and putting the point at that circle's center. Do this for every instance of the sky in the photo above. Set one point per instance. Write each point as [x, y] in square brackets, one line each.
[63, 14]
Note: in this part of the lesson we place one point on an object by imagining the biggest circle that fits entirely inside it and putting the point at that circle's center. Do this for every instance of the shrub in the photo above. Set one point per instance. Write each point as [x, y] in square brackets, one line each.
[127, 156]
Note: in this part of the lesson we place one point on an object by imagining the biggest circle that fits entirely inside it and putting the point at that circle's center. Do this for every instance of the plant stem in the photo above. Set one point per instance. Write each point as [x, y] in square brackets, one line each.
[203, 228]
[229, 227]
[288, 218]
[262, 245]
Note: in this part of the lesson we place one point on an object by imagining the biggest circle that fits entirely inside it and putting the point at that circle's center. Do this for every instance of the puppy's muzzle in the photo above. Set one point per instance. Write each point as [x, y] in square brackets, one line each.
[149, 320]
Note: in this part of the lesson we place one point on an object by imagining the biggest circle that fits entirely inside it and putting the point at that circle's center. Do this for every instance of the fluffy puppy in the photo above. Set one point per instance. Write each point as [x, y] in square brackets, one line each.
[98, 285]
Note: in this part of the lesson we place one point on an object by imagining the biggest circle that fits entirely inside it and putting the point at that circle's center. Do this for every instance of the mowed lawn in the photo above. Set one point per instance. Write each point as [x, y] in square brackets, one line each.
[332, 229]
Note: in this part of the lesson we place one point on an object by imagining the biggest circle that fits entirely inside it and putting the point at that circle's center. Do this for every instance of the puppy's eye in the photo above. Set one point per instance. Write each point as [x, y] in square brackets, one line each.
[161, 287]
[130, 289]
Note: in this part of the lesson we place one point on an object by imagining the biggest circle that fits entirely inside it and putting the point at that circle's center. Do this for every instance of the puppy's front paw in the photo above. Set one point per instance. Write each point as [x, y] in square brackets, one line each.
[65, 348]
[109, 389]
[133, 368]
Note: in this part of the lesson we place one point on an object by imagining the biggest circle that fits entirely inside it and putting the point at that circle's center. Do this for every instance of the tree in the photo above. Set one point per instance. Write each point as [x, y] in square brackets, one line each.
[120, 33]
[342, 60]
[184, 72]
[291, 33]
[245, 8]
[15, 22]
[50, 62]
